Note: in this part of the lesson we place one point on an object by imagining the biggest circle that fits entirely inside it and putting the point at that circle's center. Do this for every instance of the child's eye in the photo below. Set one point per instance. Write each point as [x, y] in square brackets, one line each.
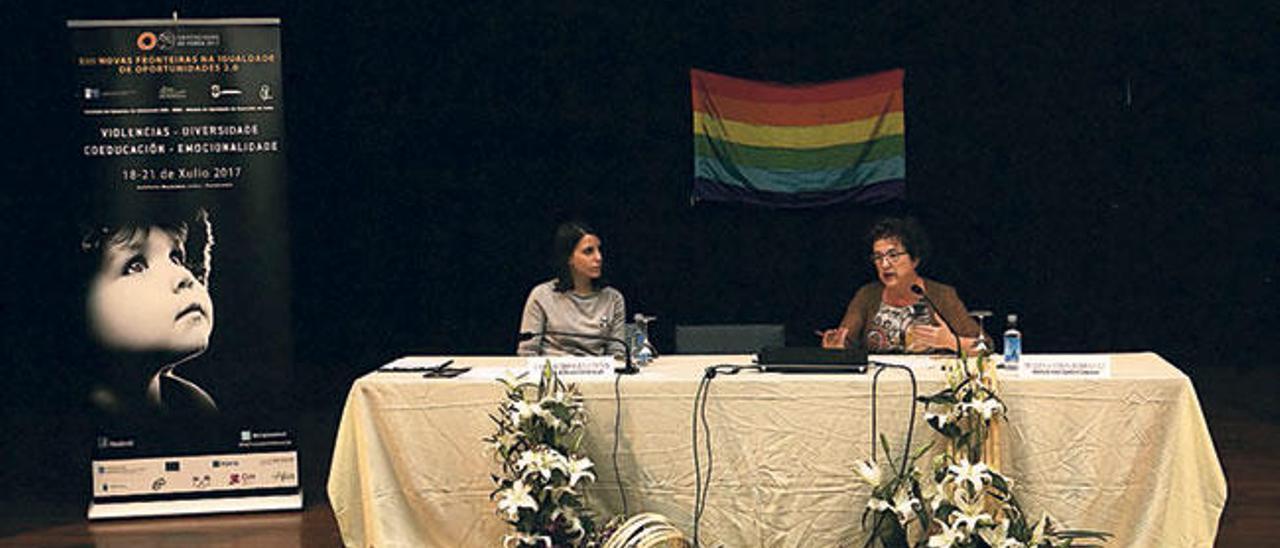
[135, 265]
[177, 256]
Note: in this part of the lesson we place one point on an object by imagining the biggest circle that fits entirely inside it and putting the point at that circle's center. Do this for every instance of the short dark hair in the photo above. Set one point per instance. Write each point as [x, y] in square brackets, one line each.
[97, 235]
[906, 230]
[567, 237]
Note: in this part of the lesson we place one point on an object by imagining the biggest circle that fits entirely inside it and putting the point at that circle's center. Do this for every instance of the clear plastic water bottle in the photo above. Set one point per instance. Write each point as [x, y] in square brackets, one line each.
[641, 349]
[1012, 343]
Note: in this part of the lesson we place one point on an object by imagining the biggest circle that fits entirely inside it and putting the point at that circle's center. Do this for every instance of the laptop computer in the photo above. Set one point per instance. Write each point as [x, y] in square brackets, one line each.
[812, 360]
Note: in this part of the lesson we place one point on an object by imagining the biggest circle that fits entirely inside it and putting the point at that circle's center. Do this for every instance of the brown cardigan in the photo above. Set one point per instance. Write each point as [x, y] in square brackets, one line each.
[866, 302]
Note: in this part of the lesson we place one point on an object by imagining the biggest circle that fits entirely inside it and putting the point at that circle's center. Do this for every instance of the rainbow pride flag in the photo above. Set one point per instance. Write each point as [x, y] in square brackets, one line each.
[796, 146]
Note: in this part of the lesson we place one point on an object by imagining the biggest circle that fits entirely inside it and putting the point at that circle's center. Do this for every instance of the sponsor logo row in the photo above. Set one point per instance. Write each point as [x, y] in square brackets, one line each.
[194, 474]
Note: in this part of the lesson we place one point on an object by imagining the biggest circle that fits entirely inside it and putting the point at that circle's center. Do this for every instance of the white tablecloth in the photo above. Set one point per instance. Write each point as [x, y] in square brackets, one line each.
[1130, 455]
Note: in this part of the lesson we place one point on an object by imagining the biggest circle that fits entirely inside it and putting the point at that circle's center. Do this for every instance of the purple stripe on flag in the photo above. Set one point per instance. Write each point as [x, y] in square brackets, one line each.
[714, 191]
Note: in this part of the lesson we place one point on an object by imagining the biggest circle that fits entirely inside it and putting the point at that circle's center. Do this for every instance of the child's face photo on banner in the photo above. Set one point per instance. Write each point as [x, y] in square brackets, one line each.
[144, 298]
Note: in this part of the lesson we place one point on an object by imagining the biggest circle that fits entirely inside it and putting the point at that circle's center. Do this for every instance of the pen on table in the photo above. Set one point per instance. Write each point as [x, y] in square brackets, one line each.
[435, 370]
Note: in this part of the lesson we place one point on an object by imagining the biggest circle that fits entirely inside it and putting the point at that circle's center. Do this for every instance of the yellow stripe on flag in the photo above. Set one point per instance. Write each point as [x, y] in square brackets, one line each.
[799, 137]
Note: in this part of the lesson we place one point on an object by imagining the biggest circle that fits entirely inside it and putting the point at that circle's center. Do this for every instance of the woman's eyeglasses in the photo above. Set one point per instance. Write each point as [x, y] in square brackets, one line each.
[892, 256]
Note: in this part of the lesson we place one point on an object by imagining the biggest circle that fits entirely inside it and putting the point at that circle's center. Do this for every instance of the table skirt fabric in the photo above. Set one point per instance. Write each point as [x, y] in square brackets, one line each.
[1130, 455]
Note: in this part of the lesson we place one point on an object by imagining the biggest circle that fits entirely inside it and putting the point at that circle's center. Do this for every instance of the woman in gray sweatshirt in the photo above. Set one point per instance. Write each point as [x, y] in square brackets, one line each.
[577, 300]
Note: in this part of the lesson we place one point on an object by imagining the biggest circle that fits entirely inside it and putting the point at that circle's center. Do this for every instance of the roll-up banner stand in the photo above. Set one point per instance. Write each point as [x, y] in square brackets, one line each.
[180, 167]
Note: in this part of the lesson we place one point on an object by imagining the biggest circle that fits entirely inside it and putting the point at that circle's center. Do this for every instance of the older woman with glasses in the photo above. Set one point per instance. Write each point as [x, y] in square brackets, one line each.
[885, 315]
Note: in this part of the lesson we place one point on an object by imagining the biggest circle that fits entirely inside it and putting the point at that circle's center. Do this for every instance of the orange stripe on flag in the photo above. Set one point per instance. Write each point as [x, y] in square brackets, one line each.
[798, 114]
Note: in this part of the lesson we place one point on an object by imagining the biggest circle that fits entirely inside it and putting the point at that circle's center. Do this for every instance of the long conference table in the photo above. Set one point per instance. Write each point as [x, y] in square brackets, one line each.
[1129, 454]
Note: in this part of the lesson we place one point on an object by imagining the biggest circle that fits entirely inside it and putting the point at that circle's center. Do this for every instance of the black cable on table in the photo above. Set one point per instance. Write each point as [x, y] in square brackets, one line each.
[706, 437]
[701, 486]
[617, 434]
[697, 467]
[875, 382]
[906, 446]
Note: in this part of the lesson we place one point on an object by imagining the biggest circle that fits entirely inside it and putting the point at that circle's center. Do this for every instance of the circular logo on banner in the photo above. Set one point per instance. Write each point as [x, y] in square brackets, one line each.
[167, 39]
[147, 41]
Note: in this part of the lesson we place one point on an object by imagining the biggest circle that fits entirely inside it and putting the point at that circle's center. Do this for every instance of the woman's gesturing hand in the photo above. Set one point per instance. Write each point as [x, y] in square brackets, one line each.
[933, 336]
[835, 338]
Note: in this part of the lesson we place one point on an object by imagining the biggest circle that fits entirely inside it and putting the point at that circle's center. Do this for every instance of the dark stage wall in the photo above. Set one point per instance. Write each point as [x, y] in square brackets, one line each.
[1107, 172]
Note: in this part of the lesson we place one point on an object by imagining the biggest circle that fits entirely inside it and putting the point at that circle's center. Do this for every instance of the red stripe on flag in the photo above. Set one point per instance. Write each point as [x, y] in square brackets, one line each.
[714, 84]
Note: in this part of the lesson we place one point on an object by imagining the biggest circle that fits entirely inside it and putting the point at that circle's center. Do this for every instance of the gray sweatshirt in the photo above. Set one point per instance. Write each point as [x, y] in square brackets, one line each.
[601, 313]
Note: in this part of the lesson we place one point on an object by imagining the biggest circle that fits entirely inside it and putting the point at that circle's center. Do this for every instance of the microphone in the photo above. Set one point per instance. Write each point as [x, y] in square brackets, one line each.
[915, 288]
[629, 369]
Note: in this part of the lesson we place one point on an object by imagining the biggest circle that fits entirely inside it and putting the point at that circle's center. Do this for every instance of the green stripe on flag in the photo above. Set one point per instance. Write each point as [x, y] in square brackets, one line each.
[816, 159]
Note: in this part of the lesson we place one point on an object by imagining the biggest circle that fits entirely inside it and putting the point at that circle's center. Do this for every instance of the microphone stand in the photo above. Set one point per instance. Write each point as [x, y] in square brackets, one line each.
[629, 369]
[915, 288]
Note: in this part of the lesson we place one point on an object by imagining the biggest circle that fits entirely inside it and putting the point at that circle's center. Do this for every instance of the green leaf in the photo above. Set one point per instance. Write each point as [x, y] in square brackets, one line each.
[921, 451]
[884, 444]
[1082, 534]
[922, 517]
[998, 482]
[946, 396]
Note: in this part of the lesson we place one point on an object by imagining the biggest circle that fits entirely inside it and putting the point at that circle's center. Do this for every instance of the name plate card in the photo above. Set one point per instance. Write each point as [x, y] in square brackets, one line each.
[573, 366]
[1066, 366]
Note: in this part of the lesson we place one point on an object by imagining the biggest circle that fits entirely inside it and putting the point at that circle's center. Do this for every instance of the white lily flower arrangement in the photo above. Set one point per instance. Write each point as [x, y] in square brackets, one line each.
[541, 488]
[961, 501]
